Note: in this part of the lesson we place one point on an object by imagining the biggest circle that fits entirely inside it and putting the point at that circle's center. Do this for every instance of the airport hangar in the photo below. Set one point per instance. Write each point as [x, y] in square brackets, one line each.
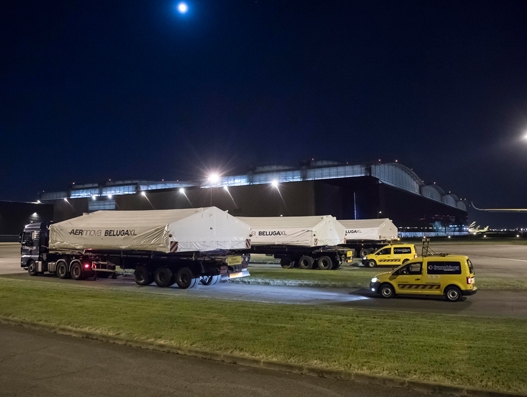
[360, 191]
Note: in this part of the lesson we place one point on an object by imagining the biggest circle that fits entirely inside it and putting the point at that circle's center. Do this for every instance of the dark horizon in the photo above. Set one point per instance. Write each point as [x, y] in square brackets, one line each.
[134, 90]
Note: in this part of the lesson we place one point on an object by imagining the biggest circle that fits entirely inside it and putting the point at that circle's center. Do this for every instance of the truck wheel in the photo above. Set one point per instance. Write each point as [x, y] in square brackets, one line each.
[210, 280]
[371, 263]
[363, 252]
[142, 276]
[185, 278]
[305, 262]
[336, 265]
[62, 269]
[163, 277]
[452, 293]
[76, 271]
[287, 263]
[32, 268]
[324, 263]
[386, 291]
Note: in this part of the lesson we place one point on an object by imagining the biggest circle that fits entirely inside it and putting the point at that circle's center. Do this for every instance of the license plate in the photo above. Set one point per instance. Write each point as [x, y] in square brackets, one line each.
[234, 260]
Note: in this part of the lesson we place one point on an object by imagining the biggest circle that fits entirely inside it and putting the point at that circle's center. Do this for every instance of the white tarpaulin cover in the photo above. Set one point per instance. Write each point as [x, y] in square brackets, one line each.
[186, 230]
[307, 231]
[370, 229]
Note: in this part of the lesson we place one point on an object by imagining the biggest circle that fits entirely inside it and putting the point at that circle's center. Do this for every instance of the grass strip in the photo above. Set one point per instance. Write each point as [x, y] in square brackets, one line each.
[350, 277]
[457, 350]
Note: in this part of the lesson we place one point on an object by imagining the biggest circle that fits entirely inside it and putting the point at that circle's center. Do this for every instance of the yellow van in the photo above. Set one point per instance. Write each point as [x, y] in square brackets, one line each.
[448, 275]
[390, 255]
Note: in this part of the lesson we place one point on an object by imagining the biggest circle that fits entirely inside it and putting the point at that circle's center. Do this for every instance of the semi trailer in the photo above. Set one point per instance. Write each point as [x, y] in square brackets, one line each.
[365, 236]
[305, 242]
[184, 246]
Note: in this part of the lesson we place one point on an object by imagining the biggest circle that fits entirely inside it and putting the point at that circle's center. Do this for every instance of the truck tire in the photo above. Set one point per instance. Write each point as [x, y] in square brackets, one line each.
[32, 268]
[363, 252]
[143, 276]
[210, 280]
[287, 263]
[76, 271]
[163, 277]
[452, 293]
[324, 263]
[305, 262]
[336, 264]
[62, 269]
[371, 263]
[185, 278]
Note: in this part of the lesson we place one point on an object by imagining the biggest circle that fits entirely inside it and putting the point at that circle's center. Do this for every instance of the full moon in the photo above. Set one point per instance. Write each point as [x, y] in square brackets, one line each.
[182, 8]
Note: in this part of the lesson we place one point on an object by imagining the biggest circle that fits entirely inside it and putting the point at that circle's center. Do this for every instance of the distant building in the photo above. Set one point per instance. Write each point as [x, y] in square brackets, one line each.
[346, 191]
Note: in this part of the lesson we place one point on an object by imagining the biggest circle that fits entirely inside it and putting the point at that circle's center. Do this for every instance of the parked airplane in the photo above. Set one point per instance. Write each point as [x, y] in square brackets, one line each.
[473, 229]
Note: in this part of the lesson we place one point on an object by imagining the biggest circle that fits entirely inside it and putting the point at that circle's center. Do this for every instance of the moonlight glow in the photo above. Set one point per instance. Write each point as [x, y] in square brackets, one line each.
[182, 8]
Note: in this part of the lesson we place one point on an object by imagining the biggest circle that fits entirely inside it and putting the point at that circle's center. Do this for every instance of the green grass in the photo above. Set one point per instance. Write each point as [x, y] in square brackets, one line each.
[350, 277]
[465, 351]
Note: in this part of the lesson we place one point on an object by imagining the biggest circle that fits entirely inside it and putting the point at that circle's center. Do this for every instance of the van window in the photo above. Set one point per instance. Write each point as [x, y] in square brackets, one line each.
[385, 251]
[402, 250]
[470, 267]
[411, 268]
[444, 267]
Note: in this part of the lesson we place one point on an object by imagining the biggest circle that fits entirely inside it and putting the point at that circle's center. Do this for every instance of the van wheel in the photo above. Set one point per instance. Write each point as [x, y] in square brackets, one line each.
[324, 263]
[32, 268]
[305, 262]
[287, 263]
[371, 263]
[386, 291]
[163, 277]
[452, 293]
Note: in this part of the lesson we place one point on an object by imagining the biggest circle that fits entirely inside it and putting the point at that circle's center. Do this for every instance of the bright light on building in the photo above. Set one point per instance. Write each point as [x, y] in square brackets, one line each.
[214, 178]
[182, 190]
[109, 196]
[143, 194]
[274, 183]
[226, 187]
[94, 197]
[65, 199]
[38, 202]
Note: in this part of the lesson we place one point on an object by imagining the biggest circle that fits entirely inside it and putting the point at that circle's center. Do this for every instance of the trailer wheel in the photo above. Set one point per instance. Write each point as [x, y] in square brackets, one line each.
[210, 280]
[76, 271]
[185, 278]
[32, 268]
[163, 277]
[62, 269]
[287, 263]
[305, 262]
[324, 263]
[363, 252]
[142, 276]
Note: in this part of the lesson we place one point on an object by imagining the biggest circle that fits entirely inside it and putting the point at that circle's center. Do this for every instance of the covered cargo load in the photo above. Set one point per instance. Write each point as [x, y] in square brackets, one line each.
[370, 229]
[166, 231]
[306, 231]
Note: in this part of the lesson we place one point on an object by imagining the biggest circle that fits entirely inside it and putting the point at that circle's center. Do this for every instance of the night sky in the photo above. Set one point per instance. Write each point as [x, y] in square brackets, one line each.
[91, 90]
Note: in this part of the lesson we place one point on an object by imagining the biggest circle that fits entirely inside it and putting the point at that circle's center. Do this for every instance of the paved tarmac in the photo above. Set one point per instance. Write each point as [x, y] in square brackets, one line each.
[42, 364]
[486, 303]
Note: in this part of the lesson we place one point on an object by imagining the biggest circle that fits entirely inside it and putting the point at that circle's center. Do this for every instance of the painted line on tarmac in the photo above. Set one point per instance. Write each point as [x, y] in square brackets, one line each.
[358, 377]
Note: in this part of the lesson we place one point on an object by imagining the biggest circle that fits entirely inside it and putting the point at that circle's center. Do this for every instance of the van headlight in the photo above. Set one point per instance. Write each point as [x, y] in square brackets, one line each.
[364, 258]
[374, 280]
